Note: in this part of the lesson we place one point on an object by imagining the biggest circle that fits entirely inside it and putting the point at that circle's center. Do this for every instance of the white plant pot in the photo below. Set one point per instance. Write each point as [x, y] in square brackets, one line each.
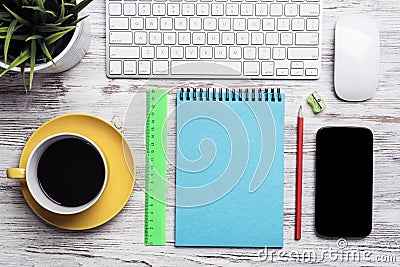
[69, 57]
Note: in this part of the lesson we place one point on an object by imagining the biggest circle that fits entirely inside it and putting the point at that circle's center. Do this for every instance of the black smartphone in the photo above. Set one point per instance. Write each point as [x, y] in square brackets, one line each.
[344, 177]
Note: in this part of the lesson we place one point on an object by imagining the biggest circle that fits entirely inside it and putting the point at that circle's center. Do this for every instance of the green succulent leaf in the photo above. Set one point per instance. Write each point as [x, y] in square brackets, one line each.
[23, 57]
[79, 7]
[50, 28]
[45, 50]
[21, 20]
[56, 36]
[32, 63]
[36, 8]
[7, 41]
[34, 37]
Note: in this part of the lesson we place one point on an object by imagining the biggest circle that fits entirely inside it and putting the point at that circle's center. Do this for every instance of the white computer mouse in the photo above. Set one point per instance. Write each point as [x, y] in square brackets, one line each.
[357, 53]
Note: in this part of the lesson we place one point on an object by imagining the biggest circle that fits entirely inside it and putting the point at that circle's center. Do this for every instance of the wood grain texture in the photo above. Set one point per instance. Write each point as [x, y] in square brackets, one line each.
[26, 240]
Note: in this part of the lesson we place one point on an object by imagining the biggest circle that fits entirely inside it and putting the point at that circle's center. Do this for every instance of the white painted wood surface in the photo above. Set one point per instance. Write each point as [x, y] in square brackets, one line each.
[26, 240]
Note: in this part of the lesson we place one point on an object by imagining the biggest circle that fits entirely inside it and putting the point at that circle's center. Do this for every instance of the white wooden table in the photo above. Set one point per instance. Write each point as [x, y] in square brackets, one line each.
[26, 240]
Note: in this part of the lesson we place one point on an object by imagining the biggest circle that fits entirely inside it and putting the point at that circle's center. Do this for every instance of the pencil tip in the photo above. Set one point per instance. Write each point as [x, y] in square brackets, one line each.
[301, 111]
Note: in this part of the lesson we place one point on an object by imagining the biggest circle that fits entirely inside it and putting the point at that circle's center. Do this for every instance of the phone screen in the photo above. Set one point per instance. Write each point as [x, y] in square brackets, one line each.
[344, 174]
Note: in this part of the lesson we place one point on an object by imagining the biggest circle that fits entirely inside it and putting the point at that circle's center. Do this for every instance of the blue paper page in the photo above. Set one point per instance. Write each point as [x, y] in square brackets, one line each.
[230, 171]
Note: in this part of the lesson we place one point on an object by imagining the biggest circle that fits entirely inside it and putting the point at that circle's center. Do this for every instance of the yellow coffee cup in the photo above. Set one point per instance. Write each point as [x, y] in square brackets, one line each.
[65, 190]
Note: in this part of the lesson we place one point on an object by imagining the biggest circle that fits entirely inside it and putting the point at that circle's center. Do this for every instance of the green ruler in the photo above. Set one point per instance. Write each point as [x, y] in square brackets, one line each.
[156, 167]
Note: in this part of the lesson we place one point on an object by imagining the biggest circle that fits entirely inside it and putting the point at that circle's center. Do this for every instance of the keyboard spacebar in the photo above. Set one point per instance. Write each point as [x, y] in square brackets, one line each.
[187, 67]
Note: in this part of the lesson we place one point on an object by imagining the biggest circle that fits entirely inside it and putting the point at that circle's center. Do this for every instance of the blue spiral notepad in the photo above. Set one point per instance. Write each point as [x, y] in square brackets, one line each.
[229, 168]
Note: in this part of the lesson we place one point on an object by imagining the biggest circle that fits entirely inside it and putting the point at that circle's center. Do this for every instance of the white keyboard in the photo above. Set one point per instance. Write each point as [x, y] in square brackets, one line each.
[235, 39]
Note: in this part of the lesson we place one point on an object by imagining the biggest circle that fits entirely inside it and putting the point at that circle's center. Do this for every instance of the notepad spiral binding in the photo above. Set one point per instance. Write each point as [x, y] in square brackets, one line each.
[230, 95]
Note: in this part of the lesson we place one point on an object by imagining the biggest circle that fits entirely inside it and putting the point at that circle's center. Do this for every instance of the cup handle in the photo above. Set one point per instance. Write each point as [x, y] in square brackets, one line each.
[16, 173]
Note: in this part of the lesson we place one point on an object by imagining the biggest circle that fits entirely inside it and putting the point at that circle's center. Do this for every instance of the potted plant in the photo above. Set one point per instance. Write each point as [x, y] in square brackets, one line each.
[42, 36]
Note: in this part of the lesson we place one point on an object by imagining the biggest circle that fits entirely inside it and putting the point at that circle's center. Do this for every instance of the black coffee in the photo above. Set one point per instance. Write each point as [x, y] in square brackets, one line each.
[71, 172]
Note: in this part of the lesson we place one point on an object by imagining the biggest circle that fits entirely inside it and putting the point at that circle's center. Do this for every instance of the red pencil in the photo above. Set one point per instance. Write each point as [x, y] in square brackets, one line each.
[299, 173]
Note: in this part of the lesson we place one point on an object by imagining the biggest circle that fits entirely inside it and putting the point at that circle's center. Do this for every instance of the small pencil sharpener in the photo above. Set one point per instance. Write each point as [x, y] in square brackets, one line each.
[316, 102]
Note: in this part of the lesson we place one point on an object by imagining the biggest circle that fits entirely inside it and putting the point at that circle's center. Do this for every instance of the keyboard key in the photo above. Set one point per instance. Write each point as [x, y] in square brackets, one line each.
[228, 38]
[144, 67]
[217, 9]
[160, 67]
[291, 10]
[235, 52]
[173, 9]
[312, 24]
[195, 24]
[158, 9]
[191, 52]
[220, 52]
[297, 65]
[253, 24]
[283, 24]
[199, 67]
[298, 24]
[115, 67]
[121, 38]
[177, 52]
[286, 38]
[180, 24]
[162, 52]
[267, 68]
[184, 38]
[188, 9]
[251, 68]
[276, 10]
[137, 24]
[210, 24]
[268, 24]
[307, 38]
[264, 53]
[130, 67]
[309, 10]
[124, 52]
[246, 9]
[282, 72]
[119, 23]
[155, 38]
[202, 9]
[271, 38]
[199, 38]
[249, 52]
[115, 9]
[213, 38]
[144, 9]
[303, 53]
[148, 52]
[166, 23]
[206, 52]
[296, 72]
[279, 53]
[242, 38]
[169, 38]
[311, 72]
[140, 38]
[261, 9]
[224, 24]
[239, 24]
[257, 38]
[232, 9]
[151, 23]
[129, 9]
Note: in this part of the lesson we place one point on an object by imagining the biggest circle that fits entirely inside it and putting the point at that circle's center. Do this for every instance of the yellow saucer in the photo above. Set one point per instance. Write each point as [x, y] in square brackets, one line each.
[120, 163]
